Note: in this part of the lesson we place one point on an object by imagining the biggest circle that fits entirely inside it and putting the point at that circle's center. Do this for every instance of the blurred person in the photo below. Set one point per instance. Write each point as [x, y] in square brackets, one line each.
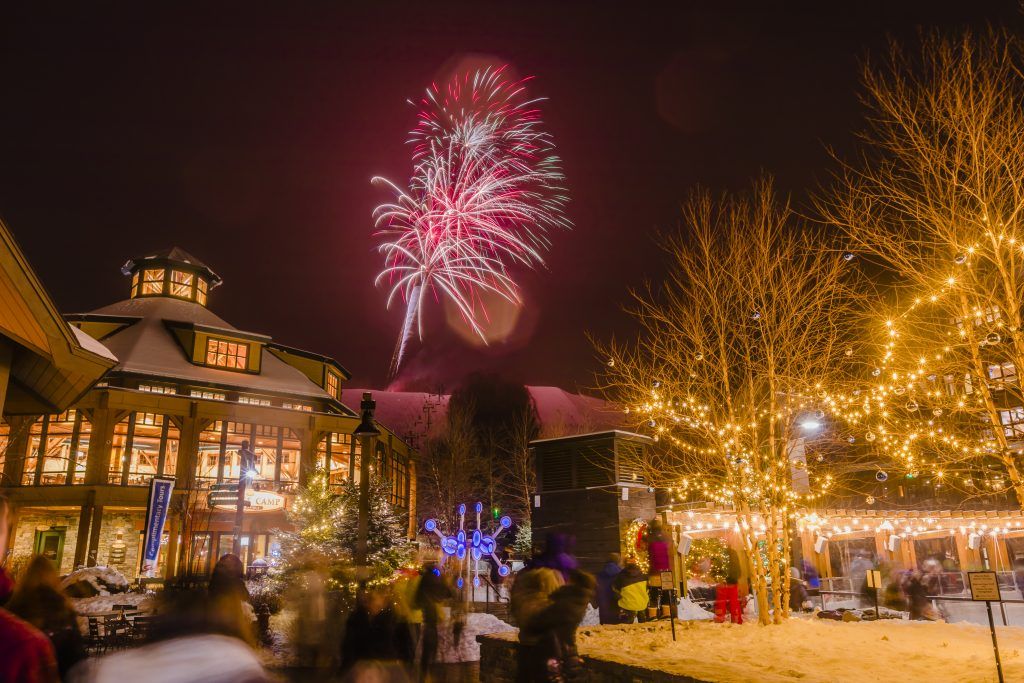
[432, 595]
[376, 643]
[798, 597]
[917, 595]
[1018, 574]
[229, 598]
[811, 576]
[893, 597]
[727, 596]
[38, 599]
[193, 641]
[630, 586]
[531, 594]
[659, 552]
[557, 554]
[6, 583]
[607, 607]
[26, 654]
[309, 596]
[553, 628]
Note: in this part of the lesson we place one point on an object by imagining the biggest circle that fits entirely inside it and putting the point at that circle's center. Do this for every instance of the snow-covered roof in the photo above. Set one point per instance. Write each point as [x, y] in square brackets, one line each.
[148, 347]
[559, 411]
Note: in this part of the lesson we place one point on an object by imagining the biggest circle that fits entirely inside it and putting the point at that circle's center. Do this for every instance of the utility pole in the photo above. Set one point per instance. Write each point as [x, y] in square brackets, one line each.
[367, 434]
[245, 468]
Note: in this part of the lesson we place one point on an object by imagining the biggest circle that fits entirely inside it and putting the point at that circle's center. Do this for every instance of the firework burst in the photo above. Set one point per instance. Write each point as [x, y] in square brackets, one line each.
[485, 193]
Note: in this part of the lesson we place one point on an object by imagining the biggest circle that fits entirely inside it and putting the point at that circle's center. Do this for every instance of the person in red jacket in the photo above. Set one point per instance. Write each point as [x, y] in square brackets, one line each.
[26, 655]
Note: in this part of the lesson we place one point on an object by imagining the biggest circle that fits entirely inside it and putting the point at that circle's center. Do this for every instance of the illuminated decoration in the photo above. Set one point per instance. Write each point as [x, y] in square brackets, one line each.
[635, 548]
[475, 544]
[257, 501]
[484, 194]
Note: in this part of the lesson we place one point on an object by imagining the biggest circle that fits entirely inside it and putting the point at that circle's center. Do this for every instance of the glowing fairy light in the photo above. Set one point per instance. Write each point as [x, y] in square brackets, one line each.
[486, 190]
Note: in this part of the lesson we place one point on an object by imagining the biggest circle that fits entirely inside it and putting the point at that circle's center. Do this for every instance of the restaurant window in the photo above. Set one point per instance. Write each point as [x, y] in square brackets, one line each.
[145, 445]
[298, 406]
[182, 284]
[850, 557]
[199, 553]
[334, 454]
[221, 353]
[55, 456]
[277, 454]
[254, 401]
[333, 385]
[399, 477]
[158, 389]
[208, 455]
[201, 291]
[204, 393]
[152, 281]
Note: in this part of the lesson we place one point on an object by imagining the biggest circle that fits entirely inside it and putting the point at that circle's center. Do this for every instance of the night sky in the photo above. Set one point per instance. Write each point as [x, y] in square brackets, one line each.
[248, 137]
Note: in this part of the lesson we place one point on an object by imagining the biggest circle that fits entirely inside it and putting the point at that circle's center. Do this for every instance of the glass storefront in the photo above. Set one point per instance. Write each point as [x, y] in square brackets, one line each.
[144, 445]
[57, 450]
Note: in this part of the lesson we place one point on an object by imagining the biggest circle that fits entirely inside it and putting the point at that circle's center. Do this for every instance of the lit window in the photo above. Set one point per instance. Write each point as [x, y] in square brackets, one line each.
[1003, 373]
[135, 284]
[201, 291]
[152, 281]
[202, 393]
[181, 284]
[225, 354]
[1013, 421]
[333, 385]
[254, 401]
[298, 406]
[157, 389]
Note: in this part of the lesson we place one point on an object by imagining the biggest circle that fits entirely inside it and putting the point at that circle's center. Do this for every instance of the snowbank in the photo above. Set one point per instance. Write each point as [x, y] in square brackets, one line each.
[105, 603]
[813, 650]
[592, 617]
[103, 580]
[467, 649]
[688, 610]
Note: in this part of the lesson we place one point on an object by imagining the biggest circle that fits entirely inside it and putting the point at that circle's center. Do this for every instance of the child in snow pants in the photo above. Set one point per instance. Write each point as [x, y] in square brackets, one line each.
[727, 597]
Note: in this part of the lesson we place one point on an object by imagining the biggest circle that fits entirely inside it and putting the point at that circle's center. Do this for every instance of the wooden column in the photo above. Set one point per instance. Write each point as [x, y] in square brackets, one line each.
[171, 554]
[98, 459]
[84, 522]
[188, 449]
[17, 449]
[94, 535]
[5, 371]
[309, 438]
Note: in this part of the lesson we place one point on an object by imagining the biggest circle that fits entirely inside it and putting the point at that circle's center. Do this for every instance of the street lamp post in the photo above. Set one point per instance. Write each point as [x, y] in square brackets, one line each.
[248, 462]
[367, 434]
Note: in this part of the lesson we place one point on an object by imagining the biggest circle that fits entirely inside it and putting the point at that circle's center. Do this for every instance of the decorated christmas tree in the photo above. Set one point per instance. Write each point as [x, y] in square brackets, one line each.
[387, 545]
[316, 516]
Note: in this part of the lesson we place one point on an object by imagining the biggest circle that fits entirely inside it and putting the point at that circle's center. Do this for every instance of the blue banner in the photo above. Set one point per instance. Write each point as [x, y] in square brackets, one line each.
[156, 515]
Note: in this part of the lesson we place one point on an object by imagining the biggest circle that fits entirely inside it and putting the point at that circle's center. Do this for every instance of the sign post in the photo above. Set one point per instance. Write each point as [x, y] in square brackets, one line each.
[156, 515]
[985, 588]
[875, 581]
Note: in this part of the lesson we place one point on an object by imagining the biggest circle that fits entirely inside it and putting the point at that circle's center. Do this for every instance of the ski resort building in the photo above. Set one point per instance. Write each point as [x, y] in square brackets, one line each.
[186, 391]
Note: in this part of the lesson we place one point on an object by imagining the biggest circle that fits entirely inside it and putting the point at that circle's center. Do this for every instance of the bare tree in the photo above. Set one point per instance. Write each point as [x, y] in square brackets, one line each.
[516, 477]
[450, 471]
[734, 347]
[937, 200]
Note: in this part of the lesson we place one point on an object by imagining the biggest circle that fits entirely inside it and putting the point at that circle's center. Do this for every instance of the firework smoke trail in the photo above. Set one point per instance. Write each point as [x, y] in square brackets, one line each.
[486, 190]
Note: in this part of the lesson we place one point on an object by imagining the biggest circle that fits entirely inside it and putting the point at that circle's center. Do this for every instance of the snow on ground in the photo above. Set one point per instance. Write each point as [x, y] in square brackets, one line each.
[592, 617]
[813, 650]
[467, 649]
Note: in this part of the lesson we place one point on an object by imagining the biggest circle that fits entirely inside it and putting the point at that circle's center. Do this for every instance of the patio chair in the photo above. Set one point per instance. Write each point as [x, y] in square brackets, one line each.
[95, 640]
[142, 628]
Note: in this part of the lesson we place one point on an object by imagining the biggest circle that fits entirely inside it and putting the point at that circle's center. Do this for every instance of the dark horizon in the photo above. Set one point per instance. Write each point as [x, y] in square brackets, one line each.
[250, 139]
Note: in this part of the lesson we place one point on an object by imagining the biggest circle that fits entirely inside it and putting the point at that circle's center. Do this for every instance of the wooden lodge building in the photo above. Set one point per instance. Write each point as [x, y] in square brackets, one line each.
[186, 390]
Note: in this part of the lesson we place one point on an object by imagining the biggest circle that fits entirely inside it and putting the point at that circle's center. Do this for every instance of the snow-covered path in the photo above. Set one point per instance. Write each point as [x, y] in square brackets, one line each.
[813, 650]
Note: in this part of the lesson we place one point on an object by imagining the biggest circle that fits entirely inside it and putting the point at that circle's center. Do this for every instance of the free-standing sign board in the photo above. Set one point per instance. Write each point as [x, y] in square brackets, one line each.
[985, 588]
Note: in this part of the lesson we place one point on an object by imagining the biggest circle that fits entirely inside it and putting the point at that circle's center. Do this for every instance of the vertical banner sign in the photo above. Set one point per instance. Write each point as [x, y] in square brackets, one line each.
[156, 515]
